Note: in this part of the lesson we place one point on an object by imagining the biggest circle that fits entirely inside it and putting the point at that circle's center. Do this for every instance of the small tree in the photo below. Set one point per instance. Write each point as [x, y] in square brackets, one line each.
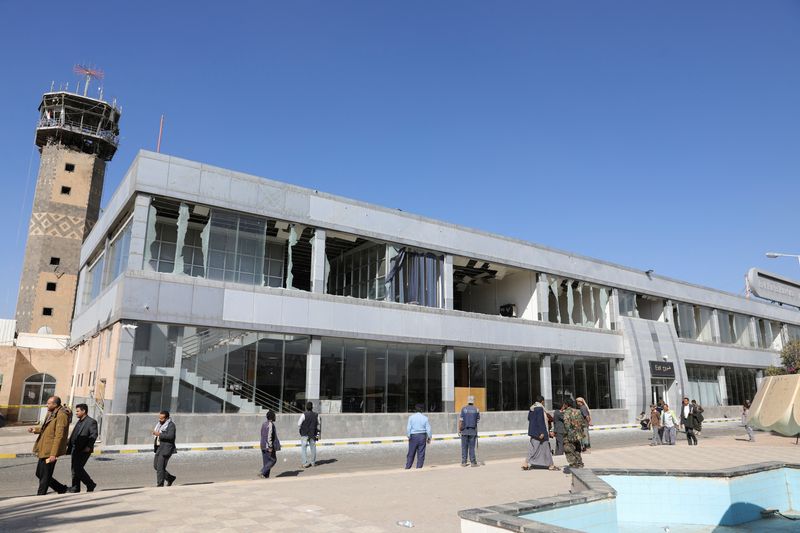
[775, 371]
[790, 357]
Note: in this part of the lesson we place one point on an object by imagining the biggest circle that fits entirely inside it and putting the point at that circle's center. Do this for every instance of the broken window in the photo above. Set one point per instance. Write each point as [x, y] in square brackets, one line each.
[118, 251]
[223, 245]
[578, 303]
[94, 278]
[415, 277]
[493, 289]
[357, 266]
[769, 334]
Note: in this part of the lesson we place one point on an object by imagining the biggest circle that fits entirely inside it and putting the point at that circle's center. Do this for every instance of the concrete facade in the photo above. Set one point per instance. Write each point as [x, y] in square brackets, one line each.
[140, 295]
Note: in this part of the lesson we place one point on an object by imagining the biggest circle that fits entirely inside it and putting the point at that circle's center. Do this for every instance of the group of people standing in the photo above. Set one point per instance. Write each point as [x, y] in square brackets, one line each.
[568, 426]
[664, 422]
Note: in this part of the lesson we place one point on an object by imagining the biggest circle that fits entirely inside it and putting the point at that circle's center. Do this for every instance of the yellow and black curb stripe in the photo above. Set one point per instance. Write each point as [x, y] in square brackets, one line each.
[233, 448]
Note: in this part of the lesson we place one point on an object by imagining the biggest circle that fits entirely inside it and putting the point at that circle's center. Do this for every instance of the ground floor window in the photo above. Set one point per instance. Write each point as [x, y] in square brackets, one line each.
[509, 381]
[377, 377]
[149, 394]
[574, 377]
[704, 385]
[741, 384]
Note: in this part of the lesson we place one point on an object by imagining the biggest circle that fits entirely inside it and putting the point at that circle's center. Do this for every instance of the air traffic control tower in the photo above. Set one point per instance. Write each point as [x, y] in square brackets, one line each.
[76, 135]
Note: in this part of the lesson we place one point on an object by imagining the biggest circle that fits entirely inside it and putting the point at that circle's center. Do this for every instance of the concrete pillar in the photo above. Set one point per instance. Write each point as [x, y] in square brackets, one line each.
[318, 262]
[447, 281]
[313, 371]
[723, 385]
[448, 380]
[613, 310]
[141, 210]
[759, 378]
[176, 371]
[546, 381]
[542, 298]
[122, 370]
[618, 384]
[715, 335]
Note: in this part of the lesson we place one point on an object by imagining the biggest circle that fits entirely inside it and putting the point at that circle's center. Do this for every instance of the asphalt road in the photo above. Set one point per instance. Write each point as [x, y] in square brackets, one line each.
[113, 472]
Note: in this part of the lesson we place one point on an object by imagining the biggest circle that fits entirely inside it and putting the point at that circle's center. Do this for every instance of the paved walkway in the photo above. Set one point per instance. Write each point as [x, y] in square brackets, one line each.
[368, 502]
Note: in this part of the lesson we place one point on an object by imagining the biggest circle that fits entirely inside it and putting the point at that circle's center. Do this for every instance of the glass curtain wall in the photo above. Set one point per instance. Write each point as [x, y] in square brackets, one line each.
[510, 379]
[574, 377]
[578, 302]
[260, 369]
[735, 329]
[376, 377]
[741, 384]
[704, 385]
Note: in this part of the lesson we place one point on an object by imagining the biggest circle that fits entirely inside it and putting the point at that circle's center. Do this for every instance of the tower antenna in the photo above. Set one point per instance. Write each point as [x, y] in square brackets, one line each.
[89, 73]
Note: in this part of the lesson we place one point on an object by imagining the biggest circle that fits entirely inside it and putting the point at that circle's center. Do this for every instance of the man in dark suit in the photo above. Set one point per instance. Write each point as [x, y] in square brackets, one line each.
[689, 421]
[80, 447]
[164, 447]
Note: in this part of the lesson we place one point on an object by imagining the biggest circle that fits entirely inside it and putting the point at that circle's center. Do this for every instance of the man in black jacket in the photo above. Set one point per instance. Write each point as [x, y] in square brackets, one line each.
[689, 421]
[310, 427]
[164, 447]
[80, 447]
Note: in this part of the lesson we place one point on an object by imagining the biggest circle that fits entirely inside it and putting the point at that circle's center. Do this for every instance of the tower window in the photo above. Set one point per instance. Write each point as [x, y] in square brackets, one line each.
[51, 285]
[47, 311]
[66, 190]
[55, 261]
[69, 167]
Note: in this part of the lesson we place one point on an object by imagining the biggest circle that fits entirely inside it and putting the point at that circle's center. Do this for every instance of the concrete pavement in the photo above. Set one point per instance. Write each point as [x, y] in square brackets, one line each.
[366, 502]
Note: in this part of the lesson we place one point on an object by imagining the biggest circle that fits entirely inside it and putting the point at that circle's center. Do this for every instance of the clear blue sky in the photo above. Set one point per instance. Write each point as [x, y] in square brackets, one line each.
[661, 135]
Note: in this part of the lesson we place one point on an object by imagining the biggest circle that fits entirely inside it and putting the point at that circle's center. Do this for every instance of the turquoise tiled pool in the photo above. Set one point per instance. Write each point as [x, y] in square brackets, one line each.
[682, 502]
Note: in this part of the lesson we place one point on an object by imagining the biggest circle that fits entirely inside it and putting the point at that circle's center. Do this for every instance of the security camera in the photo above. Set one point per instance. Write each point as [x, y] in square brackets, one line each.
[665, 357]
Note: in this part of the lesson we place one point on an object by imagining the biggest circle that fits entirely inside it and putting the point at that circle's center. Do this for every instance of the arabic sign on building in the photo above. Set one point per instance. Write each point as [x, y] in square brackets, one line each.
[659, 369]
[773, 287]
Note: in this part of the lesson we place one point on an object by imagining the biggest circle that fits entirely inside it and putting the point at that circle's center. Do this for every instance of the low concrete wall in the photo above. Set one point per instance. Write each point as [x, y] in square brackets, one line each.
[722, 411]
[136, 428]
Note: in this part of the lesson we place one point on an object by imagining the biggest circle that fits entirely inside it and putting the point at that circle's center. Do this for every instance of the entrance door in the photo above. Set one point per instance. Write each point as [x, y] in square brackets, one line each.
[658, 392]
[35, 392]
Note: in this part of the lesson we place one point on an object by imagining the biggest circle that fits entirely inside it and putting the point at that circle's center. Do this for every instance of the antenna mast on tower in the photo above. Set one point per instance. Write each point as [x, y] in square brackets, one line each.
[90, 73]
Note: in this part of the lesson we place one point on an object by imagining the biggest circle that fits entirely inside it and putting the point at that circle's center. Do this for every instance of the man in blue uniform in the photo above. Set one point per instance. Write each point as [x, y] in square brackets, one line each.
[419, 435]
[468, 429]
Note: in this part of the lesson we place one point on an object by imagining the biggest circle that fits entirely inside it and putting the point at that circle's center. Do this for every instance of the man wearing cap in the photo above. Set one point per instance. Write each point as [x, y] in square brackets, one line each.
[468, 429]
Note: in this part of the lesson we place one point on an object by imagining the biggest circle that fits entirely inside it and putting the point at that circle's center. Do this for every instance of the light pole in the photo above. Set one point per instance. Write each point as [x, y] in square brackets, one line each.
[774, 255]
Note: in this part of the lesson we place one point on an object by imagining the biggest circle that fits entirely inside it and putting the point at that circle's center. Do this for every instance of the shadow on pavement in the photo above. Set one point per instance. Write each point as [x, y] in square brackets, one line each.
[52, 513]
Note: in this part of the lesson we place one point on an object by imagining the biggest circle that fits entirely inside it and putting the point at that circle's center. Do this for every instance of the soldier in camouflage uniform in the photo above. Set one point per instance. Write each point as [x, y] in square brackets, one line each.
[574, 424]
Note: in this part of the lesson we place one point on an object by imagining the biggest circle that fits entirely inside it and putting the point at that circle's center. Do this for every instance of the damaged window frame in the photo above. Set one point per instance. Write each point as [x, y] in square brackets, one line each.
[382, 271]
[224, 245]
[575, 305]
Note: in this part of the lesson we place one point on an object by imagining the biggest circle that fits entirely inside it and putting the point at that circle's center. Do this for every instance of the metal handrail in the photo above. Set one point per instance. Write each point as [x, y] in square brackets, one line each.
[107, 135]
[244, 389]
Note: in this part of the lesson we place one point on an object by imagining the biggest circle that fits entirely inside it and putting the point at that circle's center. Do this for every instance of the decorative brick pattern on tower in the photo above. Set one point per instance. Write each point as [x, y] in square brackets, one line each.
[76, 136]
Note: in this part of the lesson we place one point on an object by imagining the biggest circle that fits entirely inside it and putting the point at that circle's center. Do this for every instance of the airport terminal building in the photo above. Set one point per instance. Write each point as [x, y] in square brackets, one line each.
[219, 295]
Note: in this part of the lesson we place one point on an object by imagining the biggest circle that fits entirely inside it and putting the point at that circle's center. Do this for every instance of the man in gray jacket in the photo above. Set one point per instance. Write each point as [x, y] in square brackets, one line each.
[164, 446]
